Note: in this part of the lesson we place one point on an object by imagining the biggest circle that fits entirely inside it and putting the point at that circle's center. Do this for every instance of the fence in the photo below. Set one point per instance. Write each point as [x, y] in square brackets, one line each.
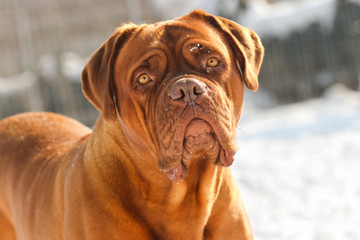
[307, 62]
[37, 35]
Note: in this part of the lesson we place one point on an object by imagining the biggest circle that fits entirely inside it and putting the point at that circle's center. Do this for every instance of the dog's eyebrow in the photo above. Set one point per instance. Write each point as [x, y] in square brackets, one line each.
[173, 32]
[177, 27]
[138, 31]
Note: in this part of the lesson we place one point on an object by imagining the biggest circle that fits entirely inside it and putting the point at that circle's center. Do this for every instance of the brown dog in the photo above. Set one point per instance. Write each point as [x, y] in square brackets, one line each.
[170, 96]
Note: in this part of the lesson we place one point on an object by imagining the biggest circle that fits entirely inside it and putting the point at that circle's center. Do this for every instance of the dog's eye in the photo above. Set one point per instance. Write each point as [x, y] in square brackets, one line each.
[212, 62]
[143, 78]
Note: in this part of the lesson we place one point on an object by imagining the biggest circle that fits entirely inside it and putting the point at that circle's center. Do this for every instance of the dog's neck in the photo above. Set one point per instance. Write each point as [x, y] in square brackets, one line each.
[145, 183]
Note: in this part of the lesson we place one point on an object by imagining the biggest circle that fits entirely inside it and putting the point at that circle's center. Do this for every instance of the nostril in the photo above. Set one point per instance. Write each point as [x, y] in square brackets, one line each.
[182, 94]
[177, 93]
[187, 90]
[195, 91]
[198, 89]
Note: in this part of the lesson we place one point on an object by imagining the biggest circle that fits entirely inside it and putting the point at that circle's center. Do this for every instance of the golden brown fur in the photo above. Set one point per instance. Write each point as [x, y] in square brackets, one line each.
[155, 165]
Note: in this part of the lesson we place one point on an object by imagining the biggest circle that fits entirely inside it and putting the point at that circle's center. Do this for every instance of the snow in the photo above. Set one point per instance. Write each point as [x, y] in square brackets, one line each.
[69, 64]
[169, 9]
[278, 19]
[48, 66]
[282, 18]
[18, 83]
[72, 65]
[298, 167]
[21, 89]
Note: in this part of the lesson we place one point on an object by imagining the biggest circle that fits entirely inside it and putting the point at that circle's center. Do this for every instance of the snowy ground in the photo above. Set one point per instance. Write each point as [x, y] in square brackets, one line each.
[298, 167]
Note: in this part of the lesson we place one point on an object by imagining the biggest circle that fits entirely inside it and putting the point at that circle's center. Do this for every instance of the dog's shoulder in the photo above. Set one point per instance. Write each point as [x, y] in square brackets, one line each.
[41, 128]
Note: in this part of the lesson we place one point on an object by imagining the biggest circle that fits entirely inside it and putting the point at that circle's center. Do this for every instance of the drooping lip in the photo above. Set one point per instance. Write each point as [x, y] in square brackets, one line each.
[228, 147]
[176, 173]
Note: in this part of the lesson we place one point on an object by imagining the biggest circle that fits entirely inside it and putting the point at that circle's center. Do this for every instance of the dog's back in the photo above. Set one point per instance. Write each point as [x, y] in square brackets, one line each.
[31, 146]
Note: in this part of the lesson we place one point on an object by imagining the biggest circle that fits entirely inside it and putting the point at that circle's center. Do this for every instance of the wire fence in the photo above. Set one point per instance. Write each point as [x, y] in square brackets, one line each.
[307, 62]
[37, 36]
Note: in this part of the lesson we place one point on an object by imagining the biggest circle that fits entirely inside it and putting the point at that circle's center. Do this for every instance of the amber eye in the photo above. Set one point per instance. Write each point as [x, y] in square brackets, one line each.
[212, 62]
[143, 78]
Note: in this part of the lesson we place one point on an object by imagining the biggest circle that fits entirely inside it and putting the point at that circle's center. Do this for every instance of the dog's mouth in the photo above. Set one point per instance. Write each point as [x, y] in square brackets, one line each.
[198, 135]
[200, 141]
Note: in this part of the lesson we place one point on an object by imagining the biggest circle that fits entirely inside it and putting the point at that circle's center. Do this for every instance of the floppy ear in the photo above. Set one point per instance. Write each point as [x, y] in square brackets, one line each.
[246, 45]
[97, 76]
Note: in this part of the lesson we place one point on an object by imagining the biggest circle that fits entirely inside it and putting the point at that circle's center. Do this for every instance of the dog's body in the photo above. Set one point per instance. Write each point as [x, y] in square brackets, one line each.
[170, 95]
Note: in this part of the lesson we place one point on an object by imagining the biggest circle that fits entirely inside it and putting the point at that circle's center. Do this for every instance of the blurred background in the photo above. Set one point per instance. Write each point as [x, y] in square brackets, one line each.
[299, 140]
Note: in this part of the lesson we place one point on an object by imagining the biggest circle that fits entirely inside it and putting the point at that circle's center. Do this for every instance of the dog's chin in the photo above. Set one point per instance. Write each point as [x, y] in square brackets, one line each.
[199, 137]
[200, 143]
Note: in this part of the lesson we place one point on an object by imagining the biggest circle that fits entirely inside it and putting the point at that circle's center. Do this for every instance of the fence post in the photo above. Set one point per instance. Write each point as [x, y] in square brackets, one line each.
[26, 47]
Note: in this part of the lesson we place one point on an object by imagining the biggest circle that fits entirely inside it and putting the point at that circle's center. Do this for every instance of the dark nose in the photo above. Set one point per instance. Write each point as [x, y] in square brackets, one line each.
[187, 90]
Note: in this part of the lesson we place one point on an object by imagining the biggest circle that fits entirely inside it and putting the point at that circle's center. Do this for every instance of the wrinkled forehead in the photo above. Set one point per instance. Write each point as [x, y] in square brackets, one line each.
[177, 31]
[171, 35]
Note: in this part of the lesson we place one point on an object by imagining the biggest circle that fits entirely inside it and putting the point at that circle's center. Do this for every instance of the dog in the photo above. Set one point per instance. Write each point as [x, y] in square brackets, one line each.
[156, 164]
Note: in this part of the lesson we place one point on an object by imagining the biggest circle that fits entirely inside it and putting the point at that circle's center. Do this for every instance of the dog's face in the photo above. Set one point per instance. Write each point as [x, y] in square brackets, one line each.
[177, 86]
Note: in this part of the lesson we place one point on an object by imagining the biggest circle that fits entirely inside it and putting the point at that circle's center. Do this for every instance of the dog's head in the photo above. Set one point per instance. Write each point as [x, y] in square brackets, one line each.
[177, 86]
